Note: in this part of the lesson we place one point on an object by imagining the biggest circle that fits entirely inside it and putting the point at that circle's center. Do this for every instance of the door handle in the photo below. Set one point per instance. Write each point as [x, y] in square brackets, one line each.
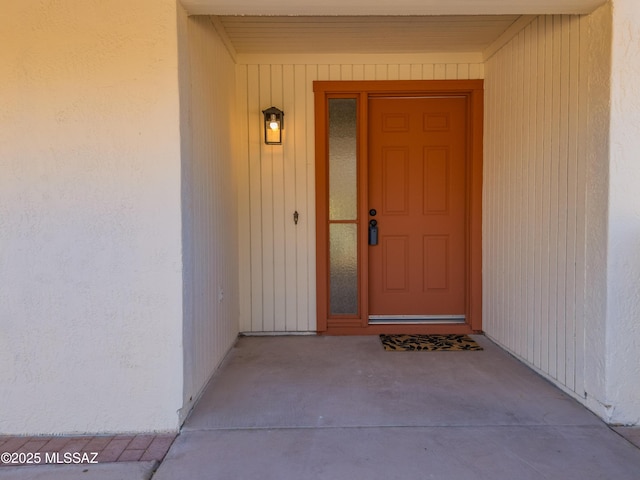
[373, 232]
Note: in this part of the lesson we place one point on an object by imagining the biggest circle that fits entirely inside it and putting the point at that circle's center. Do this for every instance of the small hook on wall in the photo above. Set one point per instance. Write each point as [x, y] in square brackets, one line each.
[296, 215]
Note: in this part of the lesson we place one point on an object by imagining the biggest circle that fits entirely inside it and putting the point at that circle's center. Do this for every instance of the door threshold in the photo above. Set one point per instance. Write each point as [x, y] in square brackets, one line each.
[416, 319]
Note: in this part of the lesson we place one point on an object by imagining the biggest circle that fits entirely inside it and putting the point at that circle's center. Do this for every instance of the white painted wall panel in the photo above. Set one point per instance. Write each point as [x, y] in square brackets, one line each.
[538, 118]
[209, 203]
[278, 289]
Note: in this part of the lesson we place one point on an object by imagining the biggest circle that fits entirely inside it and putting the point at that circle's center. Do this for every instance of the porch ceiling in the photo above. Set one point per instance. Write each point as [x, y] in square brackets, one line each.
[389, 7]
[362, 34]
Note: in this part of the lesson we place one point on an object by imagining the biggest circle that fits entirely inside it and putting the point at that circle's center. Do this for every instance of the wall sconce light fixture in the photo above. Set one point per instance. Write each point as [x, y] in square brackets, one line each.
[273, 126]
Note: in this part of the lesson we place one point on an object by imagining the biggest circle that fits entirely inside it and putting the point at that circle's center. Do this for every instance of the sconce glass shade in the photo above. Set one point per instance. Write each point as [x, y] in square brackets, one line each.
[273, 126]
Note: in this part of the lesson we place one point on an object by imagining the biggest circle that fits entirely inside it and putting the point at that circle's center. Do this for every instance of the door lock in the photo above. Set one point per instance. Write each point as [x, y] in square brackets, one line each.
[373, 232]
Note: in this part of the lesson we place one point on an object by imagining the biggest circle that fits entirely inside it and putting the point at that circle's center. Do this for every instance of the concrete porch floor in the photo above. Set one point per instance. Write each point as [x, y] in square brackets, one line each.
[343, 408]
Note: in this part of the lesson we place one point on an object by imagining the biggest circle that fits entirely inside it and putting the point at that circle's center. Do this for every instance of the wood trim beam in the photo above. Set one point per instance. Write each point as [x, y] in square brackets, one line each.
[515, 28]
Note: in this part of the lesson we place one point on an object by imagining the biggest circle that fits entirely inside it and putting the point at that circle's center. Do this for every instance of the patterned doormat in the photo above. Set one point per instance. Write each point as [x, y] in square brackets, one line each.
[430, 343]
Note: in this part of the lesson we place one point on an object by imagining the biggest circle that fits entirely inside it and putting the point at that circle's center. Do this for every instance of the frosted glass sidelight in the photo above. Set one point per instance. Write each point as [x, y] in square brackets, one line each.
[343, 266]
[342, 159]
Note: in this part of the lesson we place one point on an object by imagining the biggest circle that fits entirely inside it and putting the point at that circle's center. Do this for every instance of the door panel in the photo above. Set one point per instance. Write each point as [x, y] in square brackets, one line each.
[395, 181]
[395, 264]
[436, 180]
[417, 185]
[436, 262]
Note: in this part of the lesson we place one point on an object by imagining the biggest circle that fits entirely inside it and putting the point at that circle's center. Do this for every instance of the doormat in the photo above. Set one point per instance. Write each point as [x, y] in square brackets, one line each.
[429, 343]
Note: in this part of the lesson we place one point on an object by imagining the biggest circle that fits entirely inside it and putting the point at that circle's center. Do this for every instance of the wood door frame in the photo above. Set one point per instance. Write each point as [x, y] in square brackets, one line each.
[473, 91]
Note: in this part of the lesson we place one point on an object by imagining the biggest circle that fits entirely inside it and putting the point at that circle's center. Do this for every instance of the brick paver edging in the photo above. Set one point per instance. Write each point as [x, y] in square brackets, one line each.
[100, 449]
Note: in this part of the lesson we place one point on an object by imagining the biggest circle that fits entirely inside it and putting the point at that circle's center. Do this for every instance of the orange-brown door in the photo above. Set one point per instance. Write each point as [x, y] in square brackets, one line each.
[418, 197]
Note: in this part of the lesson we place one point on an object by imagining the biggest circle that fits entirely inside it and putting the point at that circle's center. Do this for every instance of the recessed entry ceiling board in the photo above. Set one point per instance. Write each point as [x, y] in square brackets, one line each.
[389, 7]
[363, 34]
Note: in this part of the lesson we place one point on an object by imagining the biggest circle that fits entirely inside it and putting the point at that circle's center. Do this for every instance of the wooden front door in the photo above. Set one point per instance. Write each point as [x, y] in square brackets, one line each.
[417, 201]
[408, 156]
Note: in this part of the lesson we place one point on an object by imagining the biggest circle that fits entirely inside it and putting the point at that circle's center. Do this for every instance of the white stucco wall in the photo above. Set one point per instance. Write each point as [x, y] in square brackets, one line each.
[597, 56]
[623, 278]
[90, 228]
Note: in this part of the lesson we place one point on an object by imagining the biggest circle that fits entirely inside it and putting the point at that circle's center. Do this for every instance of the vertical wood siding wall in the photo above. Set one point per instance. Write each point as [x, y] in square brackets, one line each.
[209, 201]
[534, 197]
[277, 257]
